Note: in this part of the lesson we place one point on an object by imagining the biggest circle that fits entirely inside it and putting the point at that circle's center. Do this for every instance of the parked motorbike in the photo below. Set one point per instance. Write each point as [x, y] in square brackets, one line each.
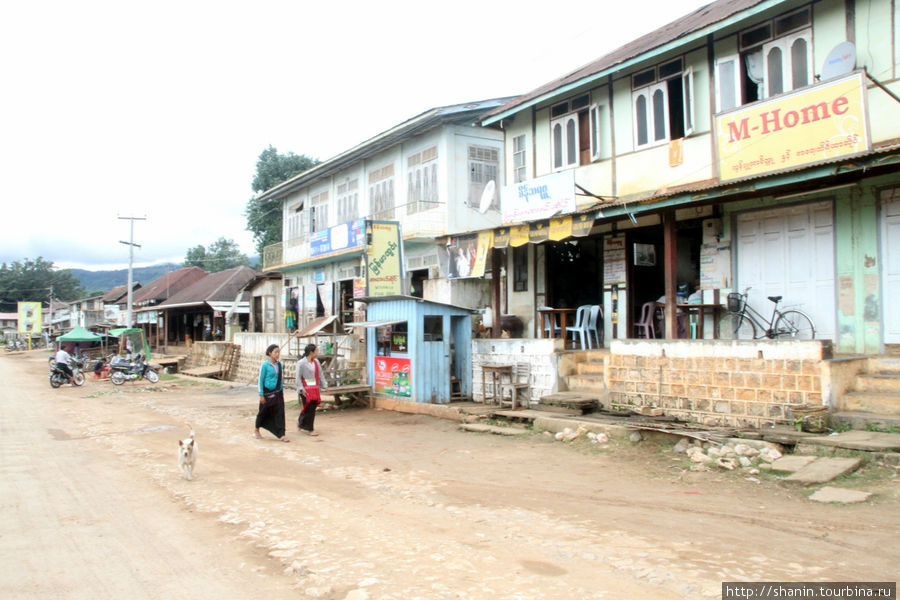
[121, 370]
[83, 358]
[58, 376]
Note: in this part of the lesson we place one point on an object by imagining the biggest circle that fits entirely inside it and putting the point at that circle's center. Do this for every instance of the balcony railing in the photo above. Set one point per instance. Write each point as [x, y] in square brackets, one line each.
[273, 255]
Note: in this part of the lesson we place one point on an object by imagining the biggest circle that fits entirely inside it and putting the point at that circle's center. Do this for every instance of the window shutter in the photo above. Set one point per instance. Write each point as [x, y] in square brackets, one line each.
[687, 89]
[595, 131]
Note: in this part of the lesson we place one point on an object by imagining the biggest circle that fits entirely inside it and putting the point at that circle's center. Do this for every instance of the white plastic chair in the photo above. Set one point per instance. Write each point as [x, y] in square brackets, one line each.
[550, 324]
[595, 326]
[580, 328]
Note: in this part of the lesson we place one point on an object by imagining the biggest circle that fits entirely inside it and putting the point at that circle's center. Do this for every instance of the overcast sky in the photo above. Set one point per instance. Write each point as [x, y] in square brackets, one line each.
[160, 110]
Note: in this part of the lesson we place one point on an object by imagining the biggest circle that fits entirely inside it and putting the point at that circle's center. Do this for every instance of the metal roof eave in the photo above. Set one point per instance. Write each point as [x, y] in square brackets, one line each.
[666, 47]
[417, 125]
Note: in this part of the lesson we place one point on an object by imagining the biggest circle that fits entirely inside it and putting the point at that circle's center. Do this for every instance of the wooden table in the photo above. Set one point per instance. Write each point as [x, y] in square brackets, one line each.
[699, 310]
[497, 372]
[544, 313]
[686, 310]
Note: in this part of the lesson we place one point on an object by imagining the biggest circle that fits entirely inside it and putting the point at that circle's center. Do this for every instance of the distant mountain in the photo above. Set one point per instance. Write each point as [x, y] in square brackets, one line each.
[103, 281]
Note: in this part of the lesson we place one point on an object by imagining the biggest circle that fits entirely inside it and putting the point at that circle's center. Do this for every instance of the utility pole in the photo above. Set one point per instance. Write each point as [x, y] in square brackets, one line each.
[50, 322]
[131, 244]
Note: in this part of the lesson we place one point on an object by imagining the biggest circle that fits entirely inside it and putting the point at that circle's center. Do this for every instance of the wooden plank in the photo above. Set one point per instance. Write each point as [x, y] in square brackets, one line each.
[207, 371]
[347, 389]
[532, 414]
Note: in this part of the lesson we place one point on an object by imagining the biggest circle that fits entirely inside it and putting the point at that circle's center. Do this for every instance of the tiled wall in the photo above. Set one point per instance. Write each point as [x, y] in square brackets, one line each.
[712, 382]
[538, 353]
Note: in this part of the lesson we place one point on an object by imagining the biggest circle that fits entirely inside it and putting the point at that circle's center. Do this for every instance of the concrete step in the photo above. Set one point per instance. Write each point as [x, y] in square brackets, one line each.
[592, 383]
[569, 401]
[864, 420]
[887, 403]
[885, 381]
[590, 367]
[885, 363]
[580, 356]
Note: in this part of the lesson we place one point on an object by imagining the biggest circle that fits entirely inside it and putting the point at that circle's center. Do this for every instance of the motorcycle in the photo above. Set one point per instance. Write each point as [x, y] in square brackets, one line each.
[58, 376]
[121, 370]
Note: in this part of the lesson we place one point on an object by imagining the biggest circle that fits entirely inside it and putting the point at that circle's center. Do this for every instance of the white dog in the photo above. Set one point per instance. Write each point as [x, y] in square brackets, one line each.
[187, 455]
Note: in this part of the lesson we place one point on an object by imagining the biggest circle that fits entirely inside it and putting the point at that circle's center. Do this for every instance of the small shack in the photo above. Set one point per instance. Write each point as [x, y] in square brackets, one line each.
[417, 350]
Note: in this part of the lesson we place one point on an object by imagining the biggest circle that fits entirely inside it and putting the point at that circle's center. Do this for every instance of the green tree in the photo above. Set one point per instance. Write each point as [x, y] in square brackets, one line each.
[221, 254]
[31, 281]
[264, 218]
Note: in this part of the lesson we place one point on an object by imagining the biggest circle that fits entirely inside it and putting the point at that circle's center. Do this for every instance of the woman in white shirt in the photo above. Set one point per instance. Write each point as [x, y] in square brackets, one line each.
[310, 382]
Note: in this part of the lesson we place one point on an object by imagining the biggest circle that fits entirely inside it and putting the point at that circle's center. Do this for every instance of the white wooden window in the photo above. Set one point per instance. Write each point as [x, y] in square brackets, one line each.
[728, 83]
[295, 219]
[775, 57]
[651, 115]
[422, 180]
[787, 63]
[663, 110]
[348, 201]
[318, 216]
[564, 133]
[484, 165]
[381, 192]
[519, 158]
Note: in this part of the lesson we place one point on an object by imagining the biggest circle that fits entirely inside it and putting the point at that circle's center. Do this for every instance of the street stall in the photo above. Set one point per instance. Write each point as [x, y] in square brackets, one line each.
[417, 350]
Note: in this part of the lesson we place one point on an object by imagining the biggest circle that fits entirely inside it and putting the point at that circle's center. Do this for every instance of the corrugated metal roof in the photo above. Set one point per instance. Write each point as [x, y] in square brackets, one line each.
[168, 285]
[215, 287]
[468, 112]
[691, 23]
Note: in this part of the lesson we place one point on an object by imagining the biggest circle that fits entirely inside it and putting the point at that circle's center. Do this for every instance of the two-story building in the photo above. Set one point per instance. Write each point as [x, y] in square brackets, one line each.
[437, 175]
[750, 144]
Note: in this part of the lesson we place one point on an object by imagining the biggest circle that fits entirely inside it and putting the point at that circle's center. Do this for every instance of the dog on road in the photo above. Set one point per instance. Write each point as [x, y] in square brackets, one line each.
[187, 455]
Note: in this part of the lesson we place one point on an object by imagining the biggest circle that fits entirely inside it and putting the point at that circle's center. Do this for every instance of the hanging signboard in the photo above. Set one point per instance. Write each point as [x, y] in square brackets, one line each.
[29, 317]
[613, 259]
[817, 124]
[345, 236]
[384, 271]
[539, 198]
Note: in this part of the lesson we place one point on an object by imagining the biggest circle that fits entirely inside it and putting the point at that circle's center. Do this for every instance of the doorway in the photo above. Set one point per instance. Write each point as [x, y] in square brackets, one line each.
[574, 272]
[417, 281]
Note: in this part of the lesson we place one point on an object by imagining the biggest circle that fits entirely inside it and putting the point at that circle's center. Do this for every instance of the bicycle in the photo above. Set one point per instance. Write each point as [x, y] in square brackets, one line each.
[743, 322]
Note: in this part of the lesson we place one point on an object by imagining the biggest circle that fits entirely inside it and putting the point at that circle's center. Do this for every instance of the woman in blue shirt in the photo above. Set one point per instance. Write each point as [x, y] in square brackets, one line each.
[271, 396]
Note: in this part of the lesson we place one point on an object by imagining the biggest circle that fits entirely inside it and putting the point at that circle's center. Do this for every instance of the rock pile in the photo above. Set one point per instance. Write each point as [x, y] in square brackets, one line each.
[734, 453]
[568, 434]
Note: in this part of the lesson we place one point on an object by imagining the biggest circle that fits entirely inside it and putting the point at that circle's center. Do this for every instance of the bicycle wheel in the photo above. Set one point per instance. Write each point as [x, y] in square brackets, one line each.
[735, 326]
[794, 325]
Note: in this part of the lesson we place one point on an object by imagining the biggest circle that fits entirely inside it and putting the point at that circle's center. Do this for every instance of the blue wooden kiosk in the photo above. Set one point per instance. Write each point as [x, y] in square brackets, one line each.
[418, 350]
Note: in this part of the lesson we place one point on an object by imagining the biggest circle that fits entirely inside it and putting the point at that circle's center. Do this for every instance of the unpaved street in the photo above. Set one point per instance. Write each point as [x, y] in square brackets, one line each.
[381, 505]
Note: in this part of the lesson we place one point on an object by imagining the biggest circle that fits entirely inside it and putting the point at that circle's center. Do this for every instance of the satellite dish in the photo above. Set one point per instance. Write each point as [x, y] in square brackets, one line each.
[487, 196]
[840, 61]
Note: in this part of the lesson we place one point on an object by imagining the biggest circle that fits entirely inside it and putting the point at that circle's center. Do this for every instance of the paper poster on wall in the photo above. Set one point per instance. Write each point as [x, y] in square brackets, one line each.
[485, 241]
[613, 259]
[715, 266]
[392, 376]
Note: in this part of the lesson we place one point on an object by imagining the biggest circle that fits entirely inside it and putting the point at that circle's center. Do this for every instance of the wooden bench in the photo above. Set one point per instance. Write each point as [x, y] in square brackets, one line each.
[350, 395]
[207, 371]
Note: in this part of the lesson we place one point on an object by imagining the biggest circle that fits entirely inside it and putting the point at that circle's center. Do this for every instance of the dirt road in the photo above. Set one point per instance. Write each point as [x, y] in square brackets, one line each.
[381, 505]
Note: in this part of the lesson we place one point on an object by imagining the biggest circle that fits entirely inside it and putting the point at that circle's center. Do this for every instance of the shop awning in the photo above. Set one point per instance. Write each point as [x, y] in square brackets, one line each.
[316, 325]
[373, 323]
